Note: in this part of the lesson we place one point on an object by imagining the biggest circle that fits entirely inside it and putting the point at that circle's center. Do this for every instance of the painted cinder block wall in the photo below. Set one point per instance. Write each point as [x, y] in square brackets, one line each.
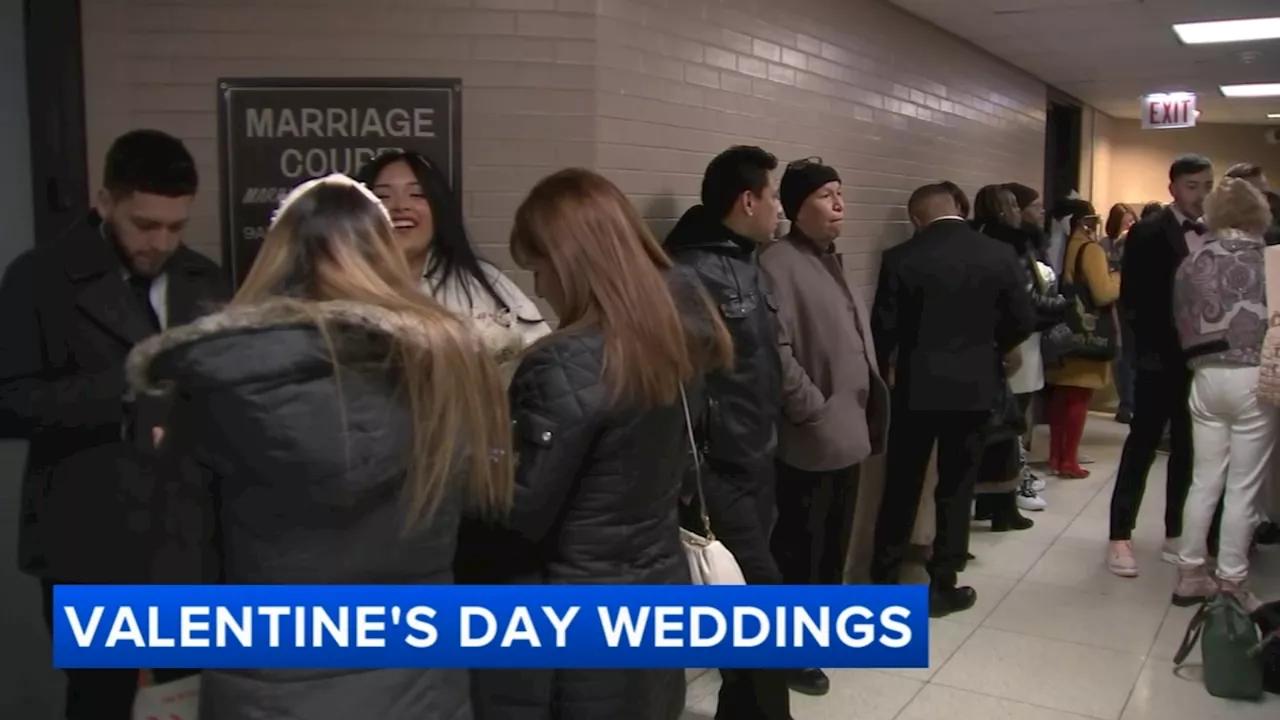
[647, 91]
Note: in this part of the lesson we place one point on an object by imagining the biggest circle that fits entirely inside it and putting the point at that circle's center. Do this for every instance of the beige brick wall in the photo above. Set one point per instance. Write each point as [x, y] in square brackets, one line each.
[645, 90]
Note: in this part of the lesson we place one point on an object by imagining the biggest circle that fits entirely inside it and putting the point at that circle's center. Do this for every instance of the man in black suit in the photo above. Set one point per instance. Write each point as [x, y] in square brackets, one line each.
[70, 311]
[1154, 249]
[950, 303]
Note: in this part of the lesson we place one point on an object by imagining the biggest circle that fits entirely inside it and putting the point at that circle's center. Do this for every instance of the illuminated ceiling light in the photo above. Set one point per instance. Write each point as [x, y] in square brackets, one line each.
[1228, 31]
[1251, 90]
[1273, 116]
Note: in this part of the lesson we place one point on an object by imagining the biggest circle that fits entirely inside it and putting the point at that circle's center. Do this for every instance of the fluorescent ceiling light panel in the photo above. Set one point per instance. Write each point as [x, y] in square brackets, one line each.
[1253, 90]
[1228, 31]
[1273, 116]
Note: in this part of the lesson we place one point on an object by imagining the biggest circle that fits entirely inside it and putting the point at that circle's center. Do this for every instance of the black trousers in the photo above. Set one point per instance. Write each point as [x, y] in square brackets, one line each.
[101, 694]
[740, 505]
[958, 437]
[815, 523]
[1160, 400]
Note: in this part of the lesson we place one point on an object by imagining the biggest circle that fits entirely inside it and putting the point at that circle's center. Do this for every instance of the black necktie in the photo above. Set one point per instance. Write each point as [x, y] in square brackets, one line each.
[1193, 226]
[141, 287]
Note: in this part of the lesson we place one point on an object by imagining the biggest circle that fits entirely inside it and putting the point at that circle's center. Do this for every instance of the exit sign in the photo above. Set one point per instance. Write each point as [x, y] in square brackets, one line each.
[1168, 110]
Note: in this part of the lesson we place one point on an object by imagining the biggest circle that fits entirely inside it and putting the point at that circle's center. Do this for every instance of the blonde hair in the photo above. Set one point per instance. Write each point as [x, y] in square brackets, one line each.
[332, 240]
[610, 270]
[1236, 204]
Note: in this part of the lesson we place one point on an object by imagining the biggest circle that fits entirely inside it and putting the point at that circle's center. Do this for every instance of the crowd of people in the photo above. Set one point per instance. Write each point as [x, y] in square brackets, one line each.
[377, 403]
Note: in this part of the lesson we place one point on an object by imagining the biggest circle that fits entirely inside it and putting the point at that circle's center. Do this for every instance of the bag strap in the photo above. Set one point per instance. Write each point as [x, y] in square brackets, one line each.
[1271, 637]
[697, 467]
[1078, 273]
[1192, 636]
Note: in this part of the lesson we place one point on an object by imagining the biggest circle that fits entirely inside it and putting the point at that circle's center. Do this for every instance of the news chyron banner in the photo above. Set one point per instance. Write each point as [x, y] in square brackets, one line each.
[457, 626]
[275, 134]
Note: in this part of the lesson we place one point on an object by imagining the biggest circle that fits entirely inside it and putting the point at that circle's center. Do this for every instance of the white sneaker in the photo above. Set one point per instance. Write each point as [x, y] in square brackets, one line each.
[1031, 502]
[1038, 484]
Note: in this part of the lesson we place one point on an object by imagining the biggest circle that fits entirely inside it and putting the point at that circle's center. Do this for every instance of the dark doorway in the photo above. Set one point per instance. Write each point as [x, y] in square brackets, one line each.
[55, 103]
[1063, 123]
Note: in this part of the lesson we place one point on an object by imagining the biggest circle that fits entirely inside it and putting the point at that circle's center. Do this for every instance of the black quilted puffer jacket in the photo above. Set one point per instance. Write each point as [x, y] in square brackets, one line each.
[278, 469]
[597, 493]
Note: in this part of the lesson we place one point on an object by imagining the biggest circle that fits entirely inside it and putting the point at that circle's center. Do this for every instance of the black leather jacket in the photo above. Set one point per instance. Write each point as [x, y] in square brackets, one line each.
[743, 404]
[1050, 305]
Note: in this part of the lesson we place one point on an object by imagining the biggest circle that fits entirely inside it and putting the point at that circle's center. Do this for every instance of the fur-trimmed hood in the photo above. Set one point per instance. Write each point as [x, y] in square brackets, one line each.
[252, 320]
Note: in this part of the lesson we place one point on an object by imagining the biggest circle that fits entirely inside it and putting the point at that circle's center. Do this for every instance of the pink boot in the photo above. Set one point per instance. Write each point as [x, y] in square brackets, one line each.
[1239, 589]
[1194, 586]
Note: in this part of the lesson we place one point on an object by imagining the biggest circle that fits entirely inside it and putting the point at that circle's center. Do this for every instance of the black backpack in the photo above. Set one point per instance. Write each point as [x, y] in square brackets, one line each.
[1268, 619]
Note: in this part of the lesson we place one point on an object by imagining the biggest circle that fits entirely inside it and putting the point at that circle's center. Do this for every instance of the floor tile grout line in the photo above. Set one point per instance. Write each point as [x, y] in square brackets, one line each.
[1026, 702]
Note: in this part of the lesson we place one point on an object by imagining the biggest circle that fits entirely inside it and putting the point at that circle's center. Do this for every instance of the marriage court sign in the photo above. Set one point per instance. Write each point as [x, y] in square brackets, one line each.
[274, 134]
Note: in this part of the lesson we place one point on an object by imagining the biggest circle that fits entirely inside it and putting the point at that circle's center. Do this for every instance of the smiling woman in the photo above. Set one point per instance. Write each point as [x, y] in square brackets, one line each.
[427, 217]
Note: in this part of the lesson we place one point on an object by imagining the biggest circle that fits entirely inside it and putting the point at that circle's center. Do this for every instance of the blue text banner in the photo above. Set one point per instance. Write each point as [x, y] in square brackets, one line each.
[459, 626]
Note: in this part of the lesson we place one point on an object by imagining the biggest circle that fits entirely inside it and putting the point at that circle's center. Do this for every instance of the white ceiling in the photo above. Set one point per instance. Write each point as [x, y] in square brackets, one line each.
[1108, 53]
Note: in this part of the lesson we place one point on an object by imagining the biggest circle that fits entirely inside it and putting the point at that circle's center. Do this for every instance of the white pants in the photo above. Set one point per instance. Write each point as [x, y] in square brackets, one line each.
[1233, 436]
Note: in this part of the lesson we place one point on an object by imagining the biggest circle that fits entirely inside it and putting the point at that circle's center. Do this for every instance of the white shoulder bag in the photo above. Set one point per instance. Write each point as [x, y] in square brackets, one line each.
[710, 562]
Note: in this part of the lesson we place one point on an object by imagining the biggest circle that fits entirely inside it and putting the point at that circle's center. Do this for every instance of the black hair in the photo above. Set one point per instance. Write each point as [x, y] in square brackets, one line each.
[151, 162]
[962, 200]
[450, 255]
[1244, 171]
[987, 207]
[1115, 218]
[1077, 210]
[741, 168]
[1188, 165]
[1150, 209]
[928, 192]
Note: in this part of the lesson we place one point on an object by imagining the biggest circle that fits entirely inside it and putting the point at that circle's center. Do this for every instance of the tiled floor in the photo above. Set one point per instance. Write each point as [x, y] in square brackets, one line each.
[1054, 635]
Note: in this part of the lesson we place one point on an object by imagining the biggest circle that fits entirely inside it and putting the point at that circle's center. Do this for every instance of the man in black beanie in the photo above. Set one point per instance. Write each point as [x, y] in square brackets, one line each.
[835, 404]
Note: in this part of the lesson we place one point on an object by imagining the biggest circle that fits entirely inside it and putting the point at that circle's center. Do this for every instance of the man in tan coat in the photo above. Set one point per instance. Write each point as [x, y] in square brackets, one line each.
[835, 404]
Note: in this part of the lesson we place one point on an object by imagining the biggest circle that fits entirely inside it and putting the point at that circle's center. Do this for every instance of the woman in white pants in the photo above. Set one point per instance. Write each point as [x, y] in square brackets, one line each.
[1221, 309]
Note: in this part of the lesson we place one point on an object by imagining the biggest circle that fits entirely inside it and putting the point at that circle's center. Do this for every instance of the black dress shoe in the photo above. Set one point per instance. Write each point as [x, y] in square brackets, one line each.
[1006, 516]
[1124, 416]
[809, 681]
[943, 602]
[1268, 533]
[965, 562]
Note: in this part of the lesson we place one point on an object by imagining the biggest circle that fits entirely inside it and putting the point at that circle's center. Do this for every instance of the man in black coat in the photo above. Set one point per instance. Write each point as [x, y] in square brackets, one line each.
[738, 431]
[950, 303]
[70, 311]
[1162, 384]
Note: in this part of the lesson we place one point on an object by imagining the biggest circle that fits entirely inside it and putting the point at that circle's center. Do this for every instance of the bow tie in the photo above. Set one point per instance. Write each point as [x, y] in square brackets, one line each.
[1193, 226]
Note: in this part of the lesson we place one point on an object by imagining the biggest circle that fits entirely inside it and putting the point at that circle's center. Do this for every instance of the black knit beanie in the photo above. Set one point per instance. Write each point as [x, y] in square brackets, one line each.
[1023, 194]
[801, 180]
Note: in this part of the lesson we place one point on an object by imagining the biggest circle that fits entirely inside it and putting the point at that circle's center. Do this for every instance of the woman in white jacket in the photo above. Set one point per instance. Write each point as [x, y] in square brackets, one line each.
[427, 216]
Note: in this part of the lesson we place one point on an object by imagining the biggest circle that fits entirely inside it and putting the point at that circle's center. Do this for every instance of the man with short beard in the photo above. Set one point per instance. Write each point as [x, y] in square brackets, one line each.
[70, 311]
[835, 404]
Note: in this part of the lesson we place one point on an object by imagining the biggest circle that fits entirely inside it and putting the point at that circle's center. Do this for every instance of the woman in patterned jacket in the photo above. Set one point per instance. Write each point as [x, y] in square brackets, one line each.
[1220, 305]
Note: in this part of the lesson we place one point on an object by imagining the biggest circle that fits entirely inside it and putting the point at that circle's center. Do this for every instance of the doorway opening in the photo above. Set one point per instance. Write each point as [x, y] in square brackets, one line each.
[1064, 121]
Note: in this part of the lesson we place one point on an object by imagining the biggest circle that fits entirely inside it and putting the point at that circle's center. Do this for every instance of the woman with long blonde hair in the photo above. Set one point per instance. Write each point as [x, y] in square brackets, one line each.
[600, 432]
[330, 426]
